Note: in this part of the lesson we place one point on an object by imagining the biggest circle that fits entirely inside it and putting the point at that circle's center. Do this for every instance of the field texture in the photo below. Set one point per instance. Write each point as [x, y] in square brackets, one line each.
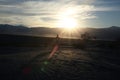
[88, 61]
[66, 64]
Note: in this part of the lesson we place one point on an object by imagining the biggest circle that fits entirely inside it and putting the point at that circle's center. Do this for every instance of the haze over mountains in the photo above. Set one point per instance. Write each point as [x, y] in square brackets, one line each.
[111, 33]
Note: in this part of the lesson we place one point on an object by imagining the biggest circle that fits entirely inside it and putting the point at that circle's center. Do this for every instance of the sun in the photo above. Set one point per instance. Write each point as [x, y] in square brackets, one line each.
[69, 27]
[68, 23]
[66, 19]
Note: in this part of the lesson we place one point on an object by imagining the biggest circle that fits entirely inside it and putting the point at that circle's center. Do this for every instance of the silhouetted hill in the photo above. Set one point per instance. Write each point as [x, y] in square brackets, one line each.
[22, 30]
[11, 29]
[110, 33]
[42, 31]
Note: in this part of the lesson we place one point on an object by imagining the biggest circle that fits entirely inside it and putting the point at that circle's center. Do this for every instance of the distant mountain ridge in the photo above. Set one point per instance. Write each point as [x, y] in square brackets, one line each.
[110, 33]
[11, 29]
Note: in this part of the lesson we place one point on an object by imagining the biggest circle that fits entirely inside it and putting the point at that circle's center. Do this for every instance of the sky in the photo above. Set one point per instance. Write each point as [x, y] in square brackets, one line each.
[57, 13]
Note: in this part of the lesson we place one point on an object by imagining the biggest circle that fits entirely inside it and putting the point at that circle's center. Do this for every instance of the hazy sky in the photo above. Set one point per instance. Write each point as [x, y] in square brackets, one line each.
[50, 13]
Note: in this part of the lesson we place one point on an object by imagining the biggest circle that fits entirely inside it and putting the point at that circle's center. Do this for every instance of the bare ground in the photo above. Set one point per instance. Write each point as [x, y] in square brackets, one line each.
[67, 64]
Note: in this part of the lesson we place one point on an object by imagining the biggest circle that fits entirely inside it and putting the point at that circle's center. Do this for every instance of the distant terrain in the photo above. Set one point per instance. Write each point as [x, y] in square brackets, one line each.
[110, 33]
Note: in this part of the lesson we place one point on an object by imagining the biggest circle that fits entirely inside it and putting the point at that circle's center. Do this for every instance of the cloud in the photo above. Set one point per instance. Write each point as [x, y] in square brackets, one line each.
[48, 19]
[39, 12]
[106, 9]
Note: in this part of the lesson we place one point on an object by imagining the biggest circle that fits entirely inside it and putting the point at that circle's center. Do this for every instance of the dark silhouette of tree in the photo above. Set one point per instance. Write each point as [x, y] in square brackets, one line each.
[94, 38]
[85, 36]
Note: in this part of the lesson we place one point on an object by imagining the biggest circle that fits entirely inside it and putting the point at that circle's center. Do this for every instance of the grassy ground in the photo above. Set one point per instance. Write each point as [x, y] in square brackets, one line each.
[66, 64]
[96, 61]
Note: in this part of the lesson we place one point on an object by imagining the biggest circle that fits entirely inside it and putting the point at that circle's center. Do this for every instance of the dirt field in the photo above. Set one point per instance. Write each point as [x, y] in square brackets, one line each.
[68, 63]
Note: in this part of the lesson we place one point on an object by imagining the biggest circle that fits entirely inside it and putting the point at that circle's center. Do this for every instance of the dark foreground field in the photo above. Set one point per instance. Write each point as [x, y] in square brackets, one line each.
[71, 62]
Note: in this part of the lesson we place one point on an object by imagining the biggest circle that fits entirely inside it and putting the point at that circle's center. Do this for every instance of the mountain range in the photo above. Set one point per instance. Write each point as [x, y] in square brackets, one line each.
[110, 33]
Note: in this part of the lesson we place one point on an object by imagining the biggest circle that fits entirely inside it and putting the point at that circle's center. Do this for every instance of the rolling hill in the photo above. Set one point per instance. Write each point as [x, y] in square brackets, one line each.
[110, 33]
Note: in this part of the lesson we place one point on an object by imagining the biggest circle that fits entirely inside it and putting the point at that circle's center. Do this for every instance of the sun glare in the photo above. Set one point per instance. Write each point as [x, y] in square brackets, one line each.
[68, 23]
[67, 20]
